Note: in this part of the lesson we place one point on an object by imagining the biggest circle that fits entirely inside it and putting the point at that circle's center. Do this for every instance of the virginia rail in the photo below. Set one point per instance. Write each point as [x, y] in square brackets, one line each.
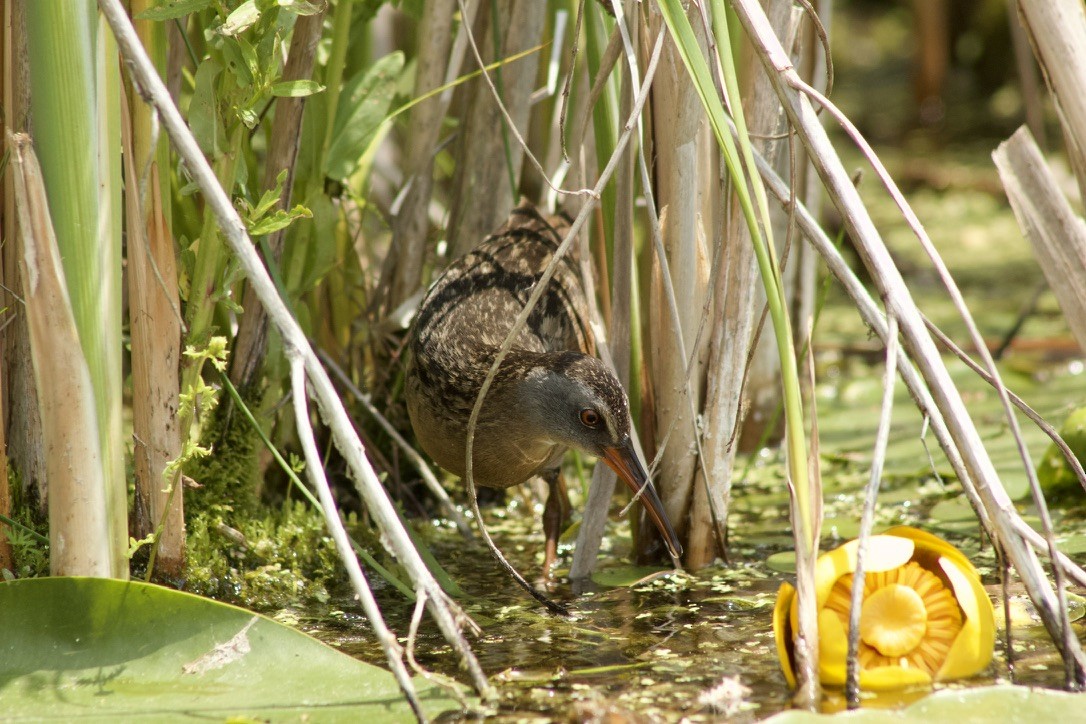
[550, 392]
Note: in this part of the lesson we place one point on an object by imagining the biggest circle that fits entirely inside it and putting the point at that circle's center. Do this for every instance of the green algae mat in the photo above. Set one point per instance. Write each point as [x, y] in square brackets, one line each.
[97, 650]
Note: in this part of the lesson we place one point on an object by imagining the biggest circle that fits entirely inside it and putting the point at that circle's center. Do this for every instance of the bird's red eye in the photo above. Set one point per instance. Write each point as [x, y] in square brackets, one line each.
[590, 418]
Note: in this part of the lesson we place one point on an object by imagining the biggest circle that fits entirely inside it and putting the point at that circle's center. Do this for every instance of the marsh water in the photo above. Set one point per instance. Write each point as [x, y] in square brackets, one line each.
[647, 644]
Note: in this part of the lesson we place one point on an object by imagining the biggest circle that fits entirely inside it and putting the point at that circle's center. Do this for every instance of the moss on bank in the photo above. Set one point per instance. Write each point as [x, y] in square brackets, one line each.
[263, 560]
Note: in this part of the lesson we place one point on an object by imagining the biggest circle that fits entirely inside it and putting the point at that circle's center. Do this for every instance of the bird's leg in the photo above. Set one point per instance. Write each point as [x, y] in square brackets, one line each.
[555, 514]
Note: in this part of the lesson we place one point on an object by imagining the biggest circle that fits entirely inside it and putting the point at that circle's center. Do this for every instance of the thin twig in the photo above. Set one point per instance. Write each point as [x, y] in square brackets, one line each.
[433, 677]
[315, 472]
[867, 519]
[509, 119]
[1046, 428]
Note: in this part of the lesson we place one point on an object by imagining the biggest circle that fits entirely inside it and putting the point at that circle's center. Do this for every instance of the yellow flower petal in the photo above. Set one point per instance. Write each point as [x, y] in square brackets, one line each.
[933, 544]
[972, 649]
[883, 554]
[925, 613]
[893, 620]
[782, 630]
[832, 648]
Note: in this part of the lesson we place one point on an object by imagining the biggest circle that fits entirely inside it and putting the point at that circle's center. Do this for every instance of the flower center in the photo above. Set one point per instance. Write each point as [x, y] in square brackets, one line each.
[908, 619]
[893, 620]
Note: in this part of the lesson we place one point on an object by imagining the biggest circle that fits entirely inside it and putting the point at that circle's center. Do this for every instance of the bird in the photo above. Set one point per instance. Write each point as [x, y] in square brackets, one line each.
[551, 393]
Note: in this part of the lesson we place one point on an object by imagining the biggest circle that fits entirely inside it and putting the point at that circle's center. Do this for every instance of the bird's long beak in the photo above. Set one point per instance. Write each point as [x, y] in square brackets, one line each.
[623, 460]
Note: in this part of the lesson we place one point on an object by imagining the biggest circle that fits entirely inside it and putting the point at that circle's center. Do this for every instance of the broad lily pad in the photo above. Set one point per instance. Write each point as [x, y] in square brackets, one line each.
[1003, 703]
[102, 649]
[627, 575]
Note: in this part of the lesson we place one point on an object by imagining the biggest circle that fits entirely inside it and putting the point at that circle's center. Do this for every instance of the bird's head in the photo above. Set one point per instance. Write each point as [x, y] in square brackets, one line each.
[574, 400]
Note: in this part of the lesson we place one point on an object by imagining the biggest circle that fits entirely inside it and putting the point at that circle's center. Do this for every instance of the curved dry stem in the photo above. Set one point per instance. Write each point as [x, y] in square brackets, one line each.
[508, 119]
[1033, 415]
[409, 651]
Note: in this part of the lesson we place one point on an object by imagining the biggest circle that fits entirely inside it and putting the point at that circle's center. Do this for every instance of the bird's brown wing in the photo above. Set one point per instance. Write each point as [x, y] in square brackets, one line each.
[475, 302]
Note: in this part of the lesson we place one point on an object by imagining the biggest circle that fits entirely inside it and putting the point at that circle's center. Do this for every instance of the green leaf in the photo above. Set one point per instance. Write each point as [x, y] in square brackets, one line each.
[296, 88]
[101, 648]
[269, 198]
[365, 104]
[172, 9]
[241, 61]
[783, 562]
[1001, 703]
[241, 19]
[300, 7]
[204, 110]
[279, 220]
[1057, 479]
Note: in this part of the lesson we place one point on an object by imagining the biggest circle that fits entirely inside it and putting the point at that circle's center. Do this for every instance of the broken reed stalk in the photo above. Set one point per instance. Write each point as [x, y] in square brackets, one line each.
[679, 276]
[1059, 239]
[155, 328]
[1057, 233]
[482, 161]
[79, 530]
[446, 613]
[412, 221]
[1057, 30]
[154, 323]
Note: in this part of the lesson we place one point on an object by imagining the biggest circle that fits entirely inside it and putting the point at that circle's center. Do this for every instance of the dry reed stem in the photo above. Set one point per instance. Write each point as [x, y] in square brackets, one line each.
[594, 515]
[1057, 30]
[412, 220]
[482, 164]
[867, 519]
[1057, 234]
[79, 530]
[156, 357]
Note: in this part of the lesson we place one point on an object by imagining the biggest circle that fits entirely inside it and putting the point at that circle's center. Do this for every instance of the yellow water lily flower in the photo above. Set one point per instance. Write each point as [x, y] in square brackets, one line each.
[925, 615]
